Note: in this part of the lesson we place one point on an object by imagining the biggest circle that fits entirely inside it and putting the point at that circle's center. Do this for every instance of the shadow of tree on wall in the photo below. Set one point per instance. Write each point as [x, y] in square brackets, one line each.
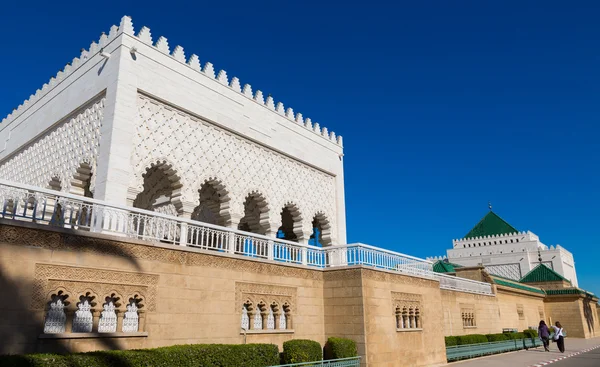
[588, 314]
[21, 325]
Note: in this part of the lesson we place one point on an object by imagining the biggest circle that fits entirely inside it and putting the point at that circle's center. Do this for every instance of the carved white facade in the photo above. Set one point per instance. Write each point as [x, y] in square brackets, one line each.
[115, 126]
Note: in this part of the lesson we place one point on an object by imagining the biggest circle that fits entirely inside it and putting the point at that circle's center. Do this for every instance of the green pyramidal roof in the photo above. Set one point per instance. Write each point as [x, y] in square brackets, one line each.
[542, 273]
[490, 225]
[445, 267]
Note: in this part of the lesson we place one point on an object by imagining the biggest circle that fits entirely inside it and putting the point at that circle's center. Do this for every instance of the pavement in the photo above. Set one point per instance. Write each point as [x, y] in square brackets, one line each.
[578, 353]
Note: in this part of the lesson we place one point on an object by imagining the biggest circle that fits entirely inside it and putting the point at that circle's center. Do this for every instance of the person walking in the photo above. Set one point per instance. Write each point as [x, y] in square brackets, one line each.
[559, 336]
[544, 335]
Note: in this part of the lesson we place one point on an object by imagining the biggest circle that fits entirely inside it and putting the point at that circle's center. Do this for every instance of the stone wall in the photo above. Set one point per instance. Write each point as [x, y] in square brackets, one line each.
[188, 295]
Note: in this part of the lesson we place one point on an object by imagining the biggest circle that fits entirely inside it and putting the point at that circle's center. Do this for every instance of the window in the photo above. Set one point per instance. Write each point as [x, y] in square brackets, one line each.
[521, 312]
[56, 318]
[407, 311]
[109, 312]
[263, 318]
[108, 317]
[468, 316]
[83, 320]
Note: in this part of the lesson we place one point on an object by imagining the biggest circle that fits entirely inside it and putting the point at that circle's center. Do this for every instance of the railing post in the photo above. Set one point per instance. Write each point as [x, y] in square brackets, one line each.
[231, 243]
[270, 249]
[183, 234]
[304, 255]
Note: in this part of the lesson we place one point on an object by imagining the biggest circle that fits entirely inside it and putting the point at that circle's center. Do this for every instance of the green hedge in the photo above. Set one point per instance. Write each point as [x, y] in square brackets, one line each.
[497, 337]
[471, 339]
[301, 350]
[451, 341]
[337, 348]
[530, 333]
[199, 355]
[512, 336]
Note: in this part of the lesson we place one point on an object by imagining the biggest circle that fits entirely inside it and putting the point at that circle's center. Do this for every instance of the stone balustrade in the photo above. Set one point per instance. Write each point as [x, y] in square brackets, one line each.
[48, 207]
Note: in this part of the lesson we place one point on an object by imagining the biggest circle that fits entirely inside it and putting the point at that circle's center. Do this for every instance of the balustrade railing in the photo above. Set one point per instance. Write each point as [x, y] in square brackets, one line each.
[43, 206]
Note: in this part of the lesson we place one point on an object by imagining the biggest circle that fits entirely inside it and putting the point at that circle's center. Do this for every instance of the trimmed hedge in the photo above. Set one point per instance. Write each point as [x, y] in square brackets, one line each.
[301, 350]
[451, 341]
[530, 333]
[471, 339]
[337, 348]
[198, 355]
[513, 336]
[497, 337]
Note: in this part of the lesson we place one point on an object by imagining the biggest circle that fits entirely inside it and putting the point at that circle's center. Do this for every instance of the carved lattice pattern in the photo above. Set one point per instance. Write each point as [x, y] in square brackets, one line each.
[511, 271]
[55, 318]
[245, 318]
[83, 320]
[108, 318]
[270, 320]
[258, 323]
[199, 151]
[60, 152]
[131, 318]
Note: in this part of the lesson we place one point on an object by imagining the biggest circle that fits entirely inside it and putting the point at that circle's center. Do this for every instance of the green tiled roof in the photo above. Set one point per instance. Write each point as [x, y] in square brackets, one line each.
[517, 285]
[491, 224]
[569, 291]
[445, 267]
[542, 273]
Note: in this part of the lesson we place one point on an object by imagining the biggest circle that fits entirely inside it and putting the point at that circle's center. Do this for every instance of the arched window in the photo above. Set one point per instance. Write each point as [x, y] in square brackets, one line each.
[56, 318]
[270, 319]
[108, 317]
[245, 318]
[417, 318]
[321, 235]
[83, 320]
[405, 320]
[131, 319]
[398, 318]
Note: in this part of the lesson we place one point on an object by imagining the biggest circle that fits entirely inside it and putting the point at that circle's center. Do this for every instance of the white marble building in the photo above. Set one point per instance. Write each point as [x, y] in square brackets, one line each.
[134, 121]
[507, 252]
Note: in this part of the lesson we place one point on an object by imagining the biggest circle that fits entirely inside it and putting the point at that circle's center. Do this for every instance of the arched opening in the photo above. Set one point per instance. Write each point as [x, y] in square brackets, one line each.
[213, 204]
[256, 214]
[81, 183]
[255, 220]
[160, 182]
[55, 184]
[161, 191]
[321, 235]
[291, 223]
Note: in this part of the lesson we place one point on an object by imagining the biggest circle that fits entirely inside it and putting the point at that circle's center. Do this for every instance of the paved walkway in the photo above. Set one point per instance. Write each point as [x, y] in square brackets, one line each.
[575, 351]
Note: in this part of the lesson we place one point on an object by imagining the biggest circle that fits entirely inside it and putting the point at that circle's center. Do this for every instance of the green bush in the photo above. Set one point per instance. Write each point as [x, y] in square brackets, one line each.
[512, 336]
[530, 333]
[200, 355]
[471, 339]
[497, 337]
[451, 341]
[336, 348]
[301, 350]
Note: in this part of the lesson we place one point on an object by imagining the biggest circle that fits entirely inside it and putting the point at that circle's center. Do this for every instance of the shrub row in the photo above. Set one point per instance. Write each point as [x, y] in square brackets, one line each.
[479, 338]
[530, 333]
[205, 355]
[198, 355]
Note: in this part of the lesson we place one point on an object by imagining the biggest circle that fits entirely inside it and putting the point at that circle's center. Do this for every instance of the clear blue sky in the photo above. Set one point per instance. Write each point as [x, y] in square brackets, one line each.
[442, 105]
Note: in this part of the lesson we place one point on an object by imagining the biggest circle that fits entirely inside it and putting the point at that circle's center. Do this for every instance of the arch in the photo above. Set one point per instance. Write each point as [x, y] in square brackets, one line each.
[55, 183]
[291, 223]
[108, 316]
[56, 318]
[82, 180]
[213, 203]
[161, 189]
[321, 230]
[256, 214]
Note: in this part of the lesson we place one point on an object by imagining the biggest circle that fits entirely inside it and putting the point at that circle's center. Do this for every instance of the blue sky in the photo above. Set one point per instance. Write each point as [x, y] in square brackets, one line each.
[443, 106]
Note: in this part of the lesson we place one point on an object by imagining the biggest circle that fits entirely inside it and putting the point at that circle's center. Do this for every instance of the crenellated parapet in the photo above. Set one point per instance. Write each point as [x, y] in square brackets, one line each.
[221, 77]
[193, 62]
[86, 54]
[495, 240]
